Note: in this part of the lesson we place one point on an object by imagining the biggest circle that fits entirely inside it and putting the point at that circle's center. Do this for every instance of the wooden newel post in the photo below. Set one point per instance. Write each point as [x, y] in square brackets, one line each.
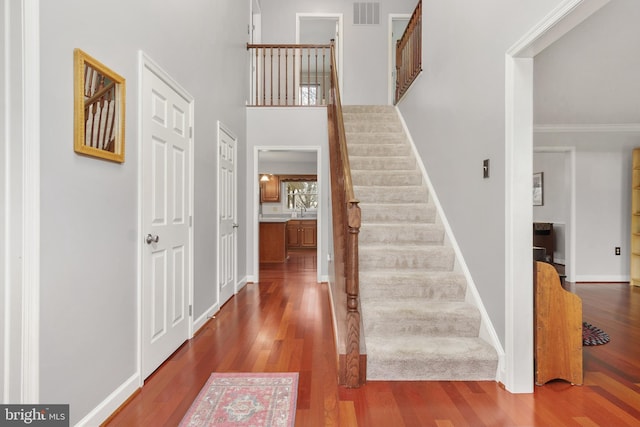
[353, 290]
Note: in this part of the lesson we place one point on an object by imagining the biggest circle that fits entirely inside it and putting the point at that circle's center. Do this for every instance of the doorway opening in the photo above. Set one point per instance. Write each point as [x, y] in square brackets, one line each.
[289, 190]
[320, 28]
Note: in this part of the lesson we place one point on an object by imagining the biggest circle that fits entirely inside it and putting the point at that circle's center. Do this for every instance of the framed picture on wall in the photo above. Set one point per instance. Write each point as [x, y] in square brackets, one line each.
[99, 98]
[538, 189]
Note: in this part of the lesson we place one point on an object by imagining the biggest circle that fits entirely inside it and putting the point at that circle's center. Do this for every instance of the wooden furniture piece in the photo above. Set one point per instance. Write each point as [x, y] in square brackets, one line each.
[635, 219]
[301, 233]
[272, 242]
[270, 190]
[557, 328]
[544, 237]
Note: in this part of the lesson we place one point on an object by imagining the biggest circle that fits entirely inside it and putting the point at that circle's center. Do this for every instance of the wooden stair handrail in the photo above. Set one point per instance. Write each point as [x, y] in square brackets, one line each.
[347, 221]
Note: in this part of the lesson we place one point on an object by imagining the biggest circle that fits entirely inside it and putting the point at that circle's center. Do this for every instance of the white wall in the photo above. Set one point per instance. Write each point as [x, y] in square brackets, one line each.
[455, 112]
[89, 207]
[295, 128]
[365, 47]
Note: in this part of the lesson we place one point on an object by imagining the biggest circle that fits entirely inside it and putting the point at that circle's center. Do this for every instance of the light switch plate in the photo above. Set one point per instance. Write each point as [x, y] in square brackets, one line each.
[485, 168]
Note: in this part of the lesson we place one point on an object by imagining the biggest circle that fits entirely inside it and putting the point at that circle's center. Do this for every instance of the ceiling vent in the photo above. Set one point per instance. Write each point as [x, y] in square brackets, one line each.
[366, 13]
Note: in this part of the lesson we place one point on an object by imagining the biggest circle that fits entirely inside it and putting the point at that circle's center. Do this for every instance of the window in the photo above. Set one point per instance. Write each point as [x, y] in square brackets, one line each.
[301, 195]
[309, 94]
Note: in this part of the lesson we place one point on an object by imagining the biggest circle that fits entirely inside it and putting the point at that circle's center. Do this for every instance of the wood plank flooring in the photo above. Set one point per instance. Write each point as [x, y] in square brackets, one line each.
[283, 324]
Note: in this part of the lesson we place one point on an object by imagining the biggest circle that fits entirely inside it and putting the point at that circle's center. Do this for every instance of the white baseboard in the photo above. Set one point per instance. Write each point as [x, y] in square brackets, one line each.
[200, 321]
[241, 284]
[108, 406]
[601, 278]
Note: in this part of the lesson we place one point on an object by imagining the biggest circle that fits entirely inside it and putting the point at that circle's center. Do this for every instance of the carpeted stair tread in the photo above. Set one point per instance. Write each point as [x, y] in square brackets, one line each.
[365, 126]
[377, 150]
[397, 212]
[409, 256]
[365, 109]
[407, 233]
[384, 317]
[412, 283]
[391, 193]
[430, 358]
[392, 139]
[391, 163]
[386, 178]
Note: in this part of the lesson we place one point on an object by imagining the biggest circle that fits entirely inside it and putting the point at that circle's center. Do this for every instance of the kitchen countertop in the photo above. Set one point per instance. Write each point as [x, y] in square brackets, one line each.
[284, 218]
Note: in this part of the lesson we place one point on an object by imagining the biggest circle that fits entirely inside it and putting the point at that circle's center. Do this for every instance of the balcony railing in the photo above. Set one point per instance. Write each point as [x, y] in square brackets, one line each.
[409, 53]
[289, 75]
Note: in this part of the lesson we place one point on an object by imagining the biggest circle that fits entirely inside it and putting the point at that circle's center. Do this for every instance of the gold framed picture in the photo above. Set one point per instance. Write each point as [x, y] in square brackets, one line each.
[99, 101]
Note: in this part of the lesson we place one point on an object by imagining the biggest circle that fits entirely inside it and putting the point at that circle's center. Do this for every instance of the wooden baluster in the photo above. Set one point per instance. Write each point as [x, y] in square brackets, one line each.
[278, 76]
[295, 63]
[264, 76]
[286, 76]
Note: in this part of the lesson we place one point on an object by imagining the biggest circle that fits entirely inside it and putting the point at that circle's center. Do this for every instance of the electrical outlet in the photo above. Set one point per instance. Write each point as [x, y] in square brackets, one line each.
[617, 250]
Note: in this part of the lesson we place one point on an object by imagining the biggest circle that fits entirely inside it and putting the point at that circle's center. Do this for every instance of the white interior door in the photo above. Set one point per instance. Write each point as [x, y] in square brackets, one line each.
[227, 212]
[166, 122]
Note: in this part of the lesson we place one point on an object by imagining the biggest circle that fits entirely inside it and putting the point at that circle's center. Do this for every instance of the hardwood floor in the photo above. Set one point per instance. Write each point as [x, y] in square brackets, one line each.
[283, 324]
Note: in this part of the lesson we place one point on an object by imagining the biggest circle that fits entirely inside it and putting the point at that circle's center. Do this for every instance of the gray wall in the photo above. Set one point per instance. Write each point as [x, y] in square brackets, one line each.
[365, 46]
[89, 207]
[603, 205]
[295, 128]
[455, 112]
[556, 208]
[587, 96]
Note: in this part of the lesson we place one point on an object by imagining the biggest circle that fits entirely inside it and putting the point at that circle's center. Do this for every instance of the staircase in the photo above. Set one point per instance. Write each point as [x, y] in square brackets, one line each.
[417, 323]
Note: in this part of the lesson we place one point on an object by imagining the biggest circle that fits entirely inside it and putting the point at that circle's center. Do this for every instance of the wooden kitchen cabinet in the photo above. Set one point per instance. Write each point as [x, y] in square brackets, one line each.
[272, 242]
[302, 233]
[270, 190]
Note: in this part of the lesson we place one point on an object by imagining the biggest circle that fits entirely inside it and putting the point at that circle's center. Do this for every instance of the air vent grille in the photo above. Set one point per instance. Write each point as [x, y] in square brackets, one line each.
[366, 13]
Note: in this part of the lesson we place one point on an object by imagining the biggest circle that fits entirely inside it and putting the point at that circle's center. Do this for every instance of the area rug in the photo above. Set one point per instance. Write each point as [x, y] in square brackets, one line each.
[592, 335]
[245, 399]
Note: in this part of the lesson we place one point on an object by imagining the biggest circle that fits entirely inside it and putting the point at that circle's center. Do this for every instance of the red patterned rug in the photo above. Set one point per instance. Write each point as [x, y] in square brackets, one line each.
[245, 399]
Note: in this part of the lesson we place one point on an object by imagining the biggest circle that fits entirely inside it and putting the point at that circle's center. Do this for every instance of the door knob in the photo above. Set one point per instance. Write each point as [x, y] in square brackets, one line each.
[235, 225]
[152, 239]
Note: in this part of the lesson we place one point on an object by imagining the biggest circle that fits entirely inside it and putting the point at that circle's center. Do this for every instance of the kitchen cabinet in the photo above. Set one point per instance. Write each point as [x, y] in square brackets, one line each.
[302, 233]
[272, 242]
[270, 190]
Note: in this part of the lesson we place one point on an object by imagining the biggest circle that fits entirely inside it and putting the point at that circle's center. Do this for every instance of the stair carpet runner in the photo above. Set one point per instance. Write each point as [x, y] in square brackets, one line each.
[417, 325]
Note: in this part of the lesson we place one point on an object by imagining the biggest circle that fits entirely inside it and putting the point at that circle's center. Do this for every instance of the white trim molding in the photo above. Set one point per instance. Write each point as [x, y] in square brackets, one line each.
[518, 171]
[21, 204]
[31, 209]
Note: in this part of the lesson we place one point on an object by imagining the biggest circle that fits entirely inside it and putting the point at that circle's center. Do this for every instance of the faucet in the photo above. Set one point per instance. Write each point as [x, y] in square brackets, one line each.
[302, 208]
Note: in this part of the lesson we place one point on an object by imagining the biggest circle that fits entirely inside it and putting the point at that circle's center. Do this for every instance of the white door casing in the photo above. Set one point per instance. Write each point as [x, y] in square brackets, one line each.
[302, 18]
[166, 120]
[227, 212]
